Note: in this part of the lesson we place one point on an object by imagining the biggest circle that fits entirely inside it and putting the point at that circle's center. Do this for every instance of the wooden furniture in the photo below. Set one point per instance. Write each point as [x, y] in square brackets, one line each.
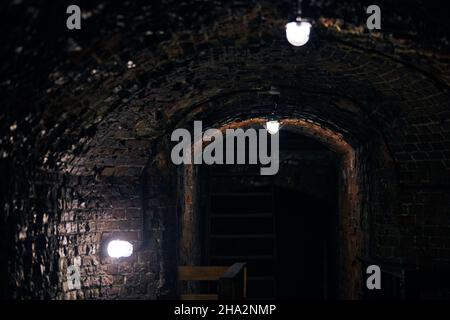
[232, 281]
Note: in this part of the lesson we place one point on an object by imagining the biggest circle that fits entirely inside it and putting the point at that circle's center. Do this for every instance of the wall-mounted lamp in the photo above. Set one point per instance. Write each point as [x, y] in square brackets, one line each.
[297, 32]
[119, 249]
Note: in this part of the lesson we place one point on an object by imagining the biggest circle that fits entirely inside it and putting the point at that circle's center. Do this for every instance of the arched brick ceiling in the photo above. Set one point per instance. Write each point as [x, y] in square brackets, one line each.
[344, 88]
[225, 59]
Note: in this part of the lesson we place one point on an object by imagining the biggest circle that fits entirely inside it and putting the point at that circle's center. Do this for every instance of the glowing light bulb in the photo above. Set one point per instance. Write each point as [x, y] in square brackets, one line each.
[119, 248]
[272, 126]
[297, 32]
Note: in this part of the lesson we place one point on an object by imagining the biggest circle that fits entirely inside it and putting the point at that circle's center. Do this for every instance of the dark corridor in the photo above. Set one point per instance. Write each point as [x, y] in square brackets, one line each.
[94, 207]
[285, 229]
[306, 244]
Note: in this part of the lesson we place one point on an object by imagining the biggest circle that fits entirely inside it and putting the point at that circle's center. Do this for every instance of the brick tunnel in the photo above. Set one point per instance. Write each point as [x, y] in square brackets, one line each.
[85, 149]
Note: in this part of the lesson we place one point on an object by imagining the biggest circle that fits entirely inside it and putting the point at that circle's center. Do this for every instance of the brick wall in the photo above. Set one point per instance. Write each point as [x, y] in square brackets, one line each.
[84, 151]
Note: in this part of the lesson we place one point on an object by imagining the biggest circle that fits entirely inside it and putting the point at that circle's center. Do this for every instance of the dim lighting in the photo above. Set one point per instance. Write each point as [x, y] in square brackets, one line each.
[297, 32]
[119, 248]
[272, 126]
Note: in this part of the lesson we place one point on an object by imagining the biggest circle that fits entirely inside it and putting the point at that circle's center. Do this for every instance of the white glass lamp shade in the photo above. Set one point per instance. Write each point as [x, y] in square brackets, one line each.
[272, 126]
[119, 249]
[297, 32]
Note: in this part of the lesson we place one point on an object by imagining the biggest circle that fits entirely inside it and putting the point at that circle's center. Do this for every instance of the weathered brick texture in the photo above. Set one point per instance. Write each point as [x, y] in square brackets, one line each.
[85, 148]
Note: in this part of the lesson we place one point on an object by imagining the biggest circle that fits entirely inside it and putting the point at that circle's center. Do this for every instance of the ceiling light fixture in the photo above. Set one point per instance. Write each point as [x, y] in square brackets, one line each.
[272, 126]
[298, 31]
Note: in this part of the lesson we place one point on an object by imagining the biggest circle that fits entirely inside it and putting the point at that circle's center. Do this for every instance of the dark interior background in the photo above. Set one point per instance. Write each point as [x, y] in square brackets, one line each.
[284, 227]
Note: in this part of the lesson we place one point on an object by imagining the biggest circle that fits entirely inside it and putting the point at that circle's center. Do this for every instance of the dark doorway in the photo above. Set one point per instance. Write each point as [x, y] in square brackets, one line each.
[306, 250]
[284, 226]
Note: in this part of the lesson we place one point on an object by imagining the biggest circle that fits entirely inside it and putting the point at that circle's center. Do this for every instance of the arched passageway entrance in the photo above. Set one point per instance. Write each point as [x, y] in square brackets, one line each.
[300, 231]
[284, 227]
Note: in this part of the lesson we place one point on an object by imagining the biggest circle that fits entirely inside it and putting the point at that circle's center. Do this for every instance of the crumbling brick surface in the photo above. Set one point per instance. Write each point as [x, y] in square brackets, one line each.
[84, 137]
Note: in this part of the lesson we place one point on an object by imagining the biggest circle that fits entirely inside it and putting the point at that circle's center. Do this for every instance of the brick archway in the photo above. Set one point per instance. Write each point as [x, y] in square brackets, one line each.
[353, 224]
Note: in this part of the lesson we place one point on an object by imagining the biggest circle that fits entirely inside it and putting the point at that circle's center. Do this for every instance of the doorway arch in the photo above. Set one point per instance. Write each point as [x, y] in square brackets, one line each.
[351, 230]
